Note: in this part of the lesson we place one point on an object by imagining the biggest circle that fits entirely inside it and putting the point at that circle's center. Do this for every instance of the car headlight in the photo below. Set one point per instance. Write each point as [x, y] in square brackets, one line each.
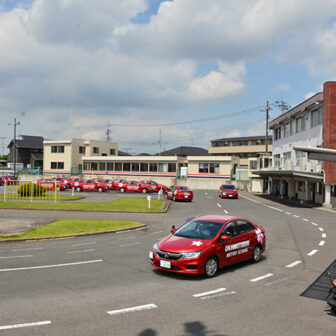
[224, 193]
[189, 255]
[155, 248]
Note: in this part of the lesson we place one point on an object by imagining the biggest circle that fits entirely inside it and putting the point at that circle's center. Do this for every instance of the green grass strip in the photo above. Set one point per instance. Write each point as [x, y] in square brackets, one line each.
[130, 204]
[62, 197]
[69, 227]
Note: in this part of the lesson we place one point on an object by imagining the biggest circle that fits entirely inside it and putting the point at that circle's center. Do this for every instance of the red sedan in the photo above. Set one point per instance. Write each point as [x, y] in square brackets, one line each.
[228, 191]
[202, 245]
[133, 186]
[180, 193]
[154, 186]
[50, 184]
[117, 183]
[89, 185]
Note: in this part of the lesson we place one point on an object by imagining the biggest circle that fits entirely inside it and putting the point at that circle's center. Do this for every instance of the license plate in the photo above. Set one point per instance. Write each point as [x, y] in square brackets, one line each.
[230, 195]
[165, 264]
[186, 196]
[151, 255]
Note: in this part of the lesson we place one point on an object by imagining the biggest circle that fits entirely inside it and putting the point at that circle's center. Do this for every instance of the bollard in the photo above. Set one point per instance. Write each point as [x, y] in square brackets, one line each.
[73, 191]
[149, 200]
[160, 193]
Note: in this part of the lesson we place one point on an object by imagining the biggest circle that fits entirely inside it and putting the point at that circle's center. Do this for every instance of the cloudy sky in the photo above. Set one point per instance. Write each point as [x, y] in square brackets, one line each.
[192, 70]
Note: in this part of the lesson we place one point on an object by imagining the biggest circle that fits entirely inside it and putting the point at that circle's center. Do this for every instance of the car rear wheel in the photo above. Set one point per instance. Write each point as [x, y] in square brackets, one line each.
[78, 189]
[144, 190]
[100, 189]
[256, 254]
[211, 267]
[122, 190]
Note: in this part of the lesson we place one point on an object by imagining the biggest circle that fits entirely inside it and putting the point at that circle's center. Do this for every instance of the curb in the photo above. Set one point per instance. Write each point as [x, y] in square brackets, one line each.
[75, 235]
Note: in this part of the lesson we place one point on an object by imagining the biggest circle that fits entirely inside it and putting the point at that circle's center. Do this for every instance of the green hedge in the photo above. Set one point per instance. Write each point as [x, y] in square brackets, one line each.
[25, 190]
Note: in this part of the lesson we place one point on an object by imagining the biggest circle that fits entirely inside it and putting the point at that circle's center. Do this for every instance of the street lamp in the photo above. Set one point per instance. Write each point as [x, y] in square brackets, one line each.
[16, 123]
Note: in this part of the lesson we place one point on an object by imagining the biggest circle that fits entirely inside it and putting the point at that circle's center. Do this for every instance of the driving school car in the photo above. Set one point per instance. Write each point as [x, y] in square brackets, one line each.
[50, 184]
[228, 191]
[89, 185]
[134, 186]
[154, 186]
[180, 193]
[203, 245]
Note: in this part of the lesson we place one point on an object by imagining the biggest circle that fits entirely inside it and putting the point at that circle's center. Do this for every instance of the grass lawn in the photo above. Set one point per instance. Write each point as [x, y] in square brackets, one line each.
[69, 227]
[62, 197]
[131, 204]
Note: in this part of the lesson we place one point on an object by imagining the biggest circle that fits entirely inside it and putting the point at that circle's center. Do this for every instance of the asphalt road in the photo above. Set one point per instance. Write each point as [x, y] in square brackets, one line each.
[105, 285]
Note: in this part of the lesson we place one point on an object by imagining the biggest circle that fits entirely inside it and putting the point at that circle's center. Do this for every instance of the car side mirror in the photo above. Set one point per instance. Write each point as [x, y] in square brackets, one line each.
[224, 238]
[173, 229]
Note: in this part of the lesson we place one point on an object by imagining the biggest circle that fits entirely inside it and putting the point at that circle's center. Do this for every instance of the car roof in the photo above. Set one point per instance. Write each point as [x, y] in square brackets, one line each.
[216, 218]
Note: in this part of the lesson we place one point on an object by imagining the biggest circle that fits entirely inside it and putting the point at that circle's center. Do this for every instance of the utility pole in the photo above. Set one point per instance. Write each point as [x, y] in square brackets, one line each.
[16, 123]
[108, 132]
[2, 145]
[267, 117]
[160, 143]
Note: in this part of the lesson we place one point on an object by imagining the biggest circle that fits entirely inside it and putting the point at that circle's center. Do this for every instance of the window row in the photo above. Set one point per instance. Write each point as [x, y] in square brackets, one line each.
[57, 149]
[239, 143]
[210, 168]
[56, 165]
[131, 166]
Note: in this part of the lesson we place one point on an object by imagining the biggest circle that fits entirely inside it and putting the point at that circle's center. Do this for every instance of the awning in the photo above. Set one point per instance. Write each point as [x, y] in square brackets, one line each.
[290, 174]
[320, 154]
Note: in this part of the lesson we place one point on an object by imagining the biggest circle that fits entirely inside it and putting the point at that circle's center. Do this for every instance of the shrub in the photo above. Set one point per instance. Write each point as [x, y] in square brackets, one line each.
[25, 190]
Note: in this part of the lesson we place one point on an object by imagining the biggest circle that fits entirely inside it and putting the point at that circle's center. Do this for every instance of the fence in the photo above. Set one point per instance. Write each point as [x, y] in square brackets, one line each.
[30, 191]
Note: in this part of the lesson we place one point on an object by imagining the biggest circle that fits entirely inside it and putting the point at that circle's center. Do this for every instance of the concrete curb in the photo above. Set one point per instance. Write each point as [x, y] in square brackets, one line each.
[76, 235]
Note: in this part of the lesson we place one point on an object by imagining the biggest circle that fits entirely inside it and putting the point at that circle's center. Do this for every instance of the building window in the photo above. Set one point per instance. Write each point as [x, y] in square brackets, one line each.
[94, 166]
[102, 166]
[135, 166]
[277, 161]
[287, 130]
[56, 165]
[316, 117]
[112, 151]
[57, 149]
[253, 164]
[109, 165]
[300, 124]
[203, 168]
[118, 166]
[86, 165]
[277, 133]
[81, 149]
[163, 167]
[95, 150]
[172, 167]
[144, 167]
[267, 162]
[153, 167]
[126, 166]
[214, 168]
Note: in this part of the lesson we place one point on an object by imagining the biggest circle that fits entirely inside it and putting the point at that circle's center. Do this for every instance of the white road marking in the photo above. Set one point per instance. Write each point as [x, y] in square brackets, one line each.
[210, 197]
[274, 208]
[314, 224]
[217, 295]
[127, 238]
[250, 199]
[23, 325]
[132, 309]
[324, 235]
[130, 244]
[82, 244]
[288, 213]
[23, 256]
[210, 292]
[153, 233]
[321, 229]
[294, 264]
[262, 277]
[219, 205]
[50, 266]
[82, 251]
[296, 216]
[226, 211]
[28, 249]
[276, 281]
[322, 242]
[305, 219]
[206, 193]
[312, 252]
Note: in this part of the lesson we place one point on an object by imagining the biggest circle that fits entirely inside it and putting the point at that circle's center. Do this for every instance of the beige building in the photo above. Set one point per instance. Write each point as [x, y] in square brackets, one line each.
[65, 156]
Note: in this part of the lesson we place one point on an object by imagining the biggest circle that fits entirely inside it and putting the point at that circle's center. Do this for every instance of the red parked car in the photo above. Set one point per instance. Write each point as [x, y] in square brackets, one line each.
[50, 184]
[88, 185]
[180, 193]
[107, 183]
[154, 186]
[117, 183]
[62, 180]
[202, 245]
[133, 186]
[228, 191]
[9, 180]
[71, 182]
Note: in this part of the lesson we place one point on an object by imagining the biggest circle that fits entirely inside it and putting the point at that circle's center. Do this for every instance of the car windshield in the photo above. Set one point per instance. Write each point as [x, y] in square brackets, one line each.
[199, 229]
[230, 187]
[183, 188]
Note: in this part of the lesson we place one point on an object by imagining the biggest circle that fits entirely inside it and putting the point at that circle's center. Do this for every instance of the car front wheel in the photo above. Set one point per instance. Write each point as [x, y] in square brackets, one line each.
[211, 267]
[144, 191]
[78, 189]
[256, 253]
[100, 189]
[122, 190]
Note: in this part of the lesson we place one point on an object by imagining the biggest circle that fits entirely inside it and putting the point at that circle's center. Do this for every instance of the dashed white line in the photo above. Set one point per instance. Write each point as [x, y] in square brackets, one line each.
[28, 249]
[274, 208]
[82, 251]
[312, 252]
[210, 197]
[130, 244]
[314, 224]
[226, 211]
[322, 242]
[23, 325]
[13, 257]
[297, 262]
[250, 199]
[132, 309]
[217, 295]
[153, 233]
[210, 292]
[83, 244]
[125, 238]
[276, 281]
[321, 229]
[50, 266]
[288, 213]
[262, 277]
[324, 235]
[219, 205]
[305, 219]
[296, 216]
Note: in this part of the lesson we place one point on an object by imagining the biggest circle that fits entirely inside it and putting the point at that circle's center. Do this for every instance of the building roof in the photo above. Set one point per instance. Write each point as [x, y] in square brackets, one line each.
[28, 141]
[185, 151]
[255, 137]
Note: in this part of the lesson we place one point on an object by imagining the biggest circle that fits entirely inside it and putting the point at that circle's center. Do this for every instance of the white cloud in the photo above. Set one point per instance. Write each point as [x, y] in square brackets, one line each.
[284, 86]
[309, 94]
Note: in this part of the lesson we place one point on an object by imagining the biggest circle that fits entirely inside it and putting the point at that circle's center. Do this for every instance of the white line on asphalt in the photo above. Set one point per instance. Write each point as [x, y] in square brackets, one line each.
[314, 223]
[206, 193]
[321, 229]
[276, 281]
[153, 233]
[130, 244]
[226, 211]
[262, 277]
[210, 292]
[288, 213]
[322, 242]
[210, 197]
[324, 235]
[82, 251]
[219, 205]
[250, 199]
[127, 238]
[294, 264]
[82, 244]
[132, 309]
[50, 266]
[23, 256]
[305, 219]
[28, 249]
[296, 216]
[216, 295]
[34, 324]
[274, 208]
[312, 252]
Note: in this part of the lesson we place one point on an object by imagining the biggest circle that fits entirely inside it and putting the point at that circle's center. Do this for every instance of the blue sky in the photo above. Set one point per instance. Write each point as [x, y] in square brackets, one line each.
[70, 67]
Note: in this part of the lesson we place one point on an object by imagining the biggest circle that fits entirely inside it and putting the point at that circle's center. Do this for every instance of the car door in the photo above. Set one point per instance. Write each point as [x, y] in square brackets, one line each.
[247, 238]
[170, 192]
[227, 251]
